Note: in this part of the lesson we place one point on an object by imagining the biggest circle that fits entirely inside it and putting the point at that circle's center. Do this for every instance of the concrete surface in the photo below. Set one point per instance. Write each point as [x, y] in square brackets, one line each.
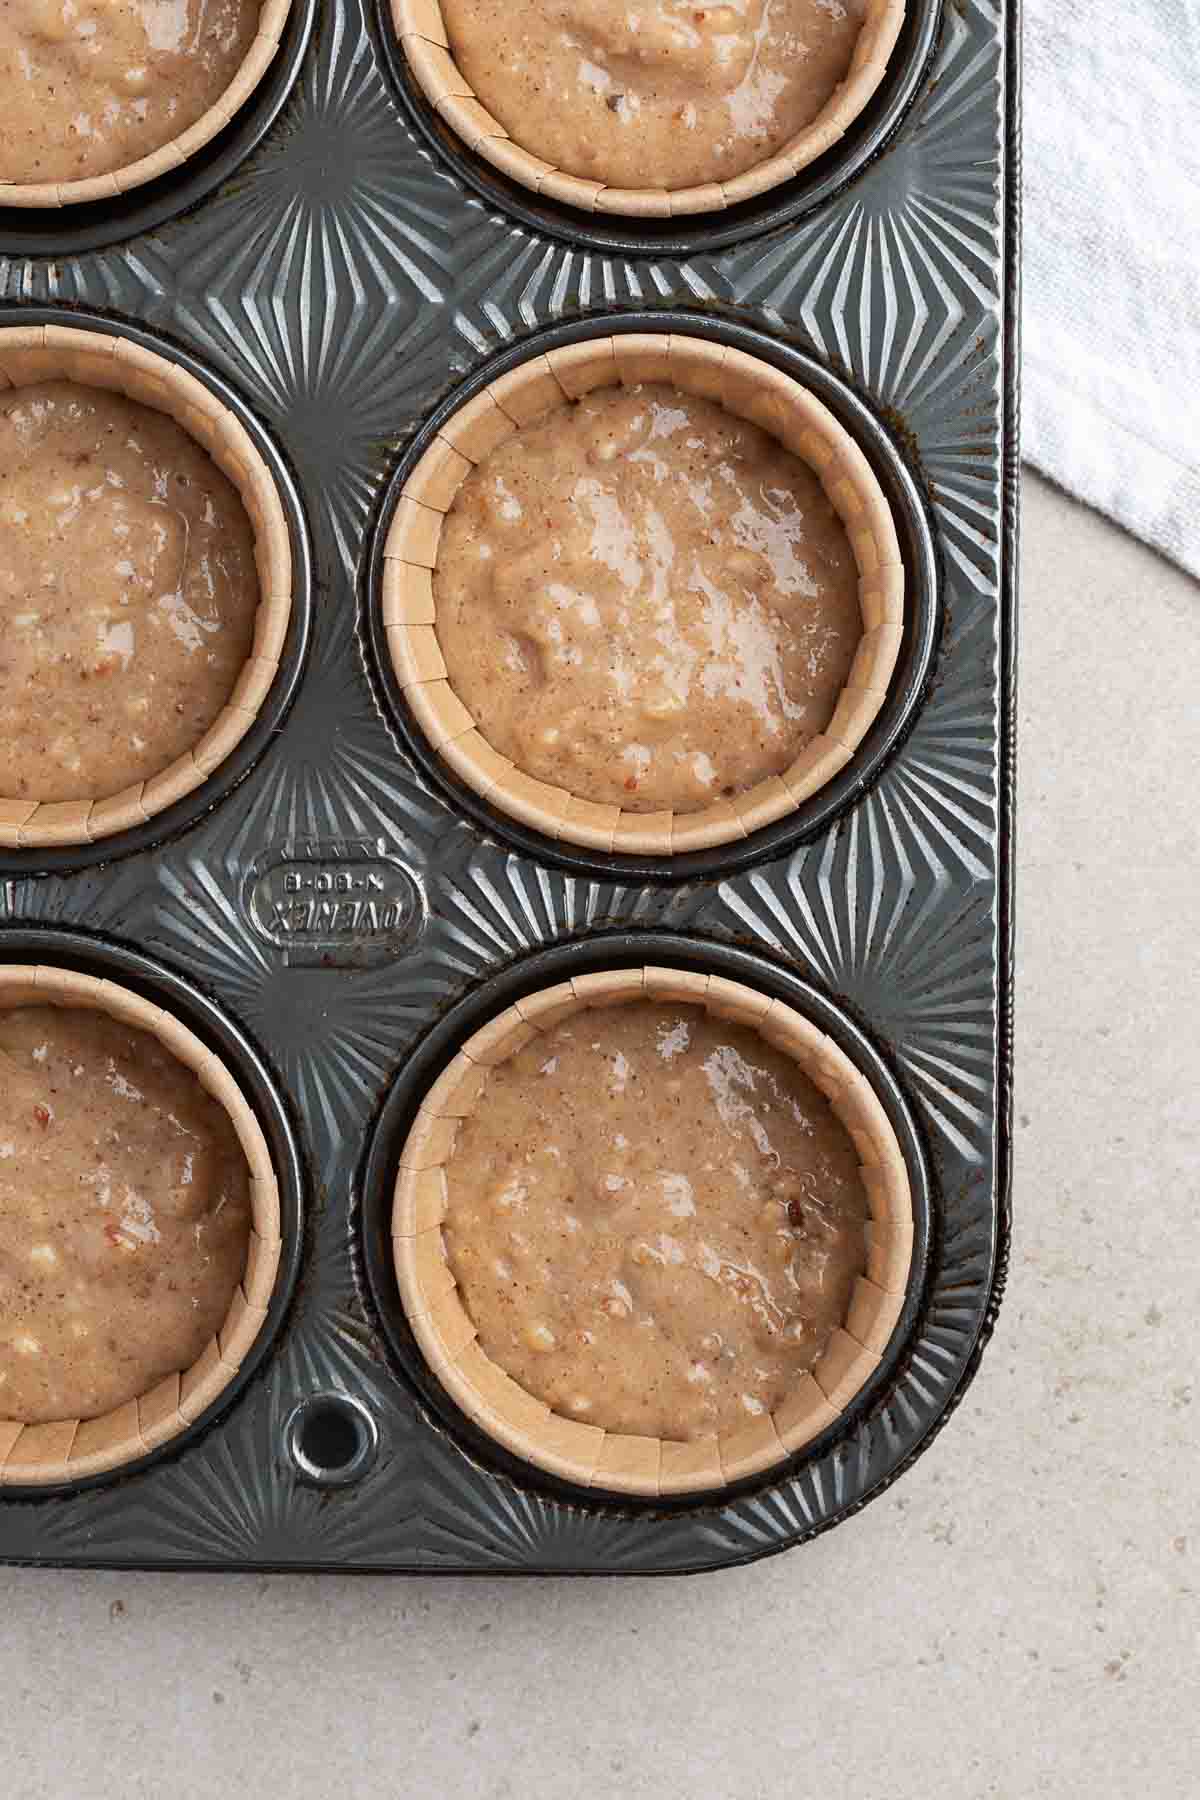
[1017, 1617]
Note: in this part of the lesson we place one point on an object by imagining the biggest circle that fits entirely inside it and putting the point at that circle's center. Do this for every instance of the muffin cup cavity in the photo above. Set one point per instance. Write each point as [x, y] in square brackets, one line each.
[172, 155]
[586, 1455]
[421, 29]
[70, 1449]
[36, 353]
[748, 388]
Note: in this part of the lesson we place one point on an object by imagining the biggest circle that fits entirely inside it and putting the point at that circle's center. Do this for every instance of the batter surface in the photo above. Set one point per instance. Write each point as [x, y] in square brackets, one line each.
[128, 588]
[90, 86]
[124, 1214]
[646, 601]
[653, 93]
[655, 1221]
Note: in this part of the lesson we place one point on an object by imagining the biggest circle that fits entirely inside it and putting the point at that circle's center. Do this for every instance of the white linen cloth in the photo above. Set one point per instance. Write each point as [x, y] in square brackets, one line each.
[1111, 399]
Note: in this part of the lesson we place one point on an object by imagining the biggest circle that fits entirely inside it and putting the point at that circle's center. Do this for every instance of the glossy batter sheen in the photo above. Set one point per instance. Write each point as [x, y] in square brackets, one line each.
[655, 1221]
[646, 601]
[653, 93]
[90, 86]
[124, 1214]
[128, 589]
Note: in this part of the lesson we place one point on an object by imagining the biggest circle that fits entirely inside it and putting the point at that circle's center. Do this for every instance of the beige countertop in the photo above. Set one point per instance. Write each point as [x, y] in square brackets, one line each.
[1016, 1617]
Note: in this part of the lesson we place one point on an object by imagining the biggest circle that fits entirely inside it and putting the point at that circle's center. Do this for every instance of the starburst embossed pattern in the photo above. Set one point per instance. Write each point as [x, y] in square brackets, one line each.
[344, 281]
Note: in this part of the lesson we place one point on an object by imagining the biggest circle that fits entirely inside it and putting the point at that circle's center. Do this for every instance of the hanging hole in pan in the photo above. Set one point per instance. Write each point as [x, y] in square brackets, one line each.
[331, 1439]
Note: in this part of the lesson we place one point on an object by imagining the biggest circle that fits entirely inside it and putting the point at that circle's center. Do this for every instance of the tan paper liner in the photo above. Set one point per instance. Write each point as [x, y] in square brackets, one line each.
[751, 390]
[67, 1450]
[421, 29]
[32, 353]
[172, 155]
[584, 1453]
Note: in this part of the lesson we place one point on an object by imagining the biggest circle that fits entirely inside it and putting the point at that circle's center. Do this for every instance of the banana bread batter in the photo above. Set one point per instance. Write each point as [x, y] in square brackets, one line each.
[128, 587]
[653, 93]
[655, 1221]
[124, 1214]
[90, 87]
[646, 601]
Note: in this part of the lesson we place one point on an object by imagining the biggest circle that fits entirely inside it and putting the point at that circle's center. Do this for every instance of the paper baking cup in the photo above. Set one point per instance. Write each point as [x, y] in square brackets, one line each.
[751, 390]
[174, 154]
[53, 352]
[586, 1454]
[69, 1449]
[422, 32]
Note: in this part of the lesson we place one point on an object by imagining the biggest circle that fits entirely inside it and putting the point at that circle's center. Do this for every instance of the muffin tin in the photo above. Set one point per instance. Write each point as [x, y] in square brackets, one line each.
[334, 914]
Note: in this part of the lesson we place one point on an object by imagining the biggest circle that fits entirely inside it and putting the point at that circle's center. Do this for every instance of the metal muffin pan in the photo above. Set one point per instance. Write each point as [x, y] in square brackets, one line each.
[335, 914]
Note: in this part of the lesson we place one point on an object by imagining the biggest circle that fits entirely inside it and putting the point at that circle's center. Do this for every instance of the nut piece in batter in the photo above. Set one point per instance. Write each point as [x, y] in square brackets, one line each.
[124, 1214]
[90, 87]
[128, 587]
[646, 601]
[655, 1221]
[666, 93]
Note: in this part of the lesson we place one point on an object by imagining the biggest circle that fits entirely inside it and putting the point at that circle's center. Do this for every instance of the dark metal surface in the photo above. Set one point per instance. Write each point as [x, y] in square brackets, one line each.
[330, 911]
